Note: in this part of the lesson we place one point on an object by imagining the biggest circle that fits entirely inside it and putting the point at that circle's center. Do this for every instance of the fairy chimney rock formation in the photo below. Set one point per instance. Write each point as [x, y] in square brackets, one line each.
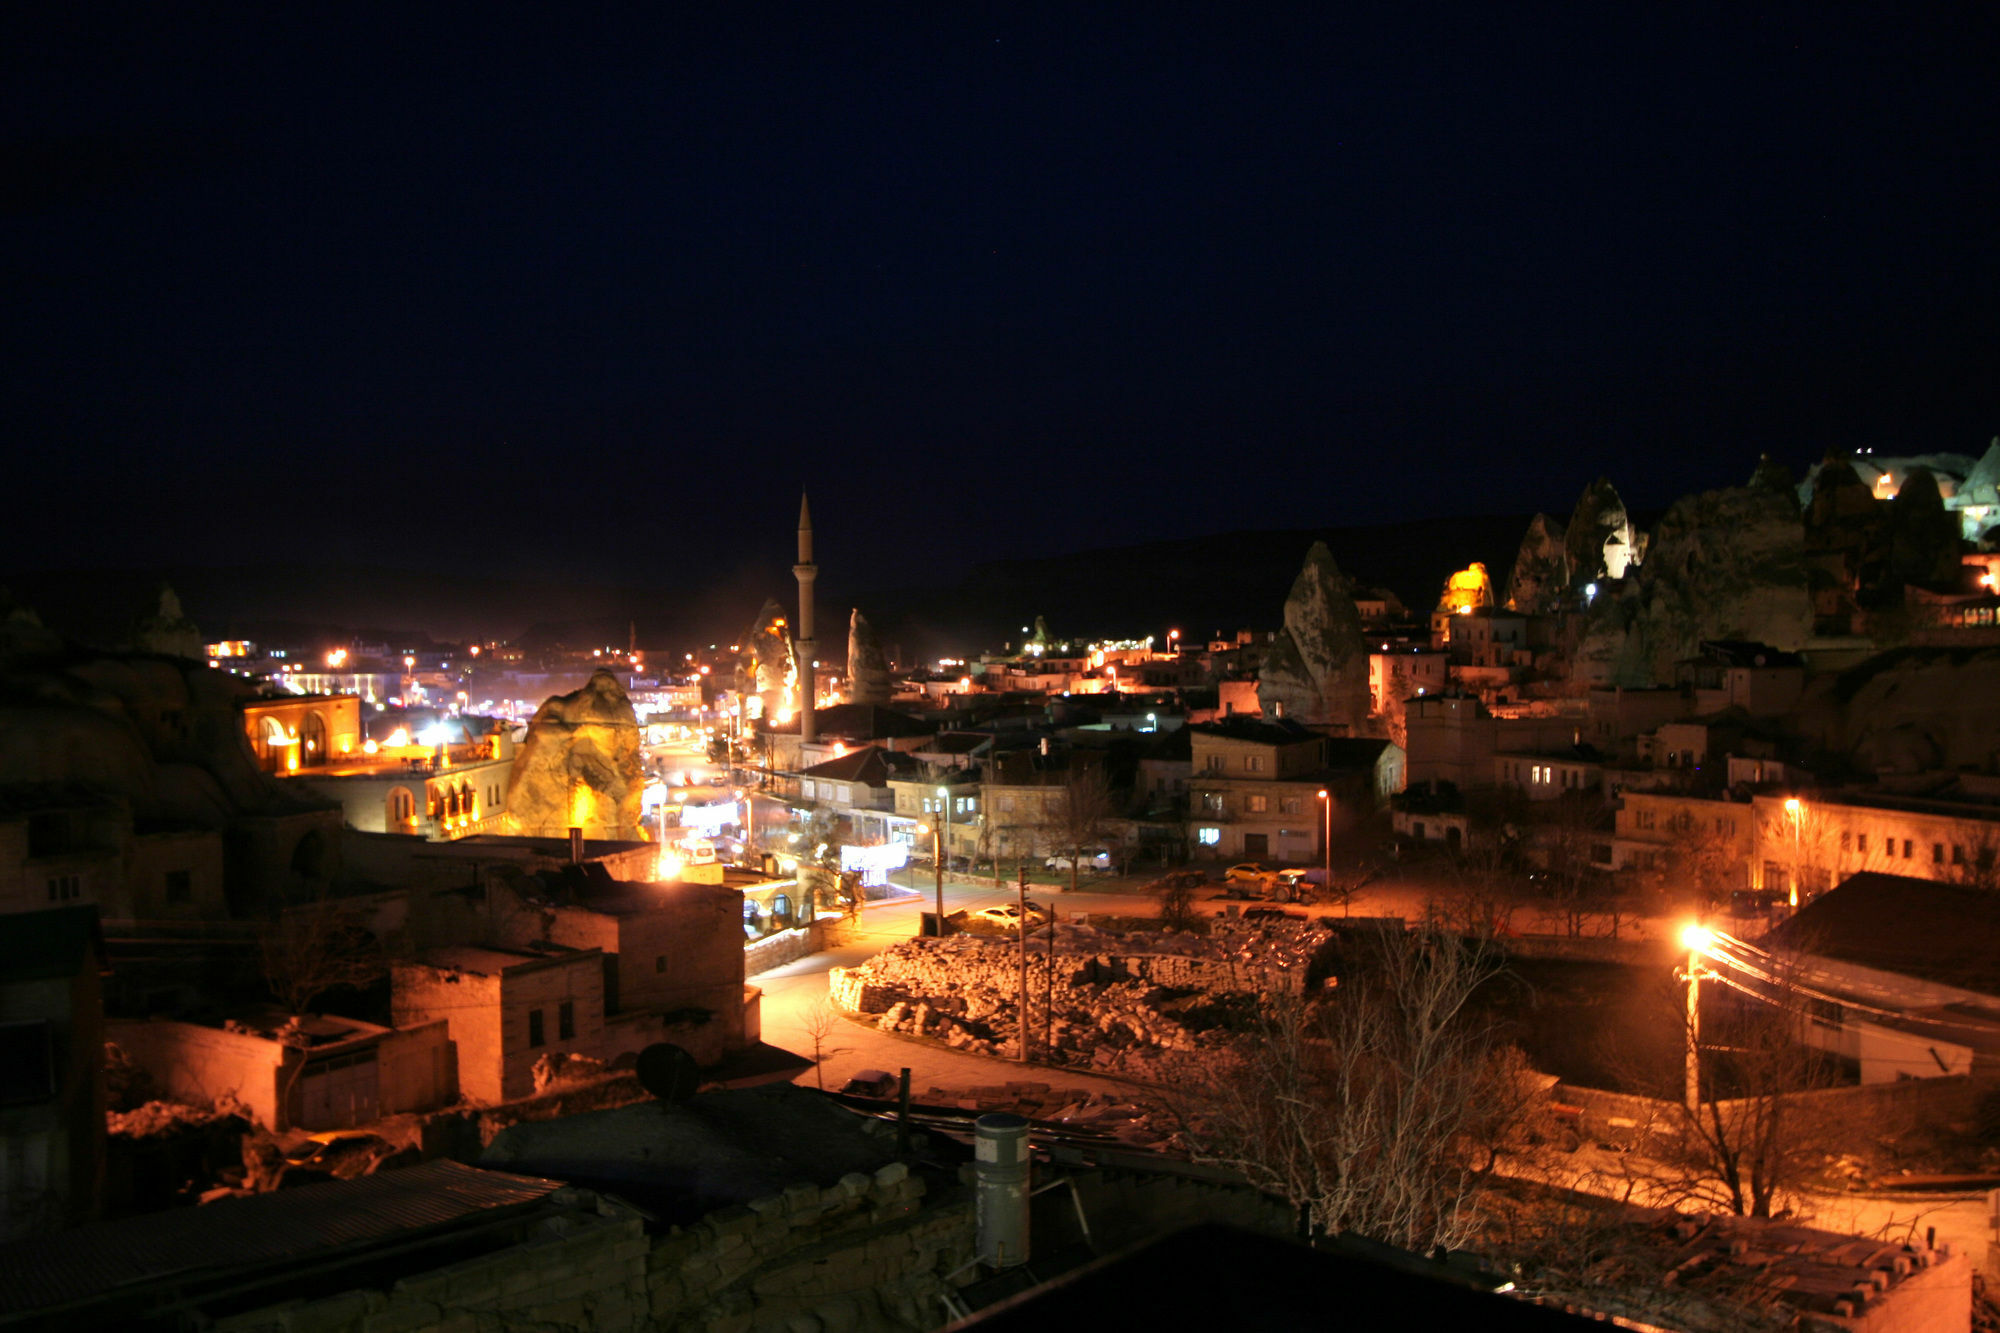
[579, 766]
[1317, 670]
[1541, 569]
[867, 667]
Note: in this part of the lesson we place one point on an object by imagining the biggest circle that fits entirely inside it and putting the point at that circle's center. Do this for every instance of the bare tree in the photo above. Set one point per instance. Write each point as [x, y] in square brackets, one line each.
[1378, 1111]
[1077, 816]
[323, 946]
[1704, 864]
[1177, 909]
[1568, 835]
[1755, 1132]
[820, 1022]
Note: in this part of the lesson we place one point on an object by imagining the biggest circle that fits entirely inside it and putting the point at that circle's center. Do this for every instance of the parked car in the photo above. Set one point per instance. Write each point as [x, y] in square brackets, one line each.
[878, 1084]
[1248, 872]
[1271, 914]
[323, 1149]
[1092, 860]
[1009, 914]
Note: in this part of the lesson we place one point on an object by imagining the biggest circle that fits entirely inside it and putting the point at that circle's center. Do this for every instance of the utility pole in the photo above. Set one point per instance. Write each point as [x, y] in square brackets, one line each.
[1697, 938]
[937, 864]
[1022, 927]
[1049, 995]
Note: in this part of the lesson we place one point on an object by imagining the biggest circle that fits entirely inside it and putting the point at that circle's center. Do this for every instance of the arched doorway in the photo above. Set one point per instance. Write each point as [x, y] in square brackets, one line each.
[312, 741]
[273, 743]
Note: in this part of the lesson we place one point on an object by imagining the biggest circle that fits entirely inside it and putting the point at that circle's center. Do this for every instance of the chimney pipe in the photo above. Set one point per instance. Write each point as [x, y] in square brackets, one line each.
[1000, 1166]
[575, 845]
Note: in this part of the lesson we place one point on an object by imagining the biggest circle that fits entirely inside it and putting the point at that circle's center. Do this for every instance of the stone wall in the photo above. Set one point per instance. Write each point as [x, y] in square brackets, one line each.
[1623, 1118]
[787, 946]
[860, 1255]
[190, 1062]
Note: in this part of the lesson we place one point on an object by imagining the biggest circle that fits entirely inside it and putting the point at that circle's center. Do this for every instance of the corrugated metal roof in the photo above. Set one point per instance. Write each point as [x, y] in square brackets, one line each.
[96, 1260]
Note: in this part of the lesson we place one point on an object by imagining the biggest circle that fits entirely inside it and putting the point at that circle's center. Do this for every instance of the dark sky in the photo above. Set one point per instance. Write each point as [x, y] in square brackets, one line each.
[556, 288]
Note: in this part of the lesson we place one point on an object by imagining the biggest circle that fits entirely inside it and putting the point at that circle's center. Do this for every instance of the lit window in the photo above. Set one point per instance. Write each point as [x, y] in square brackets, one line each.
[1209, 836]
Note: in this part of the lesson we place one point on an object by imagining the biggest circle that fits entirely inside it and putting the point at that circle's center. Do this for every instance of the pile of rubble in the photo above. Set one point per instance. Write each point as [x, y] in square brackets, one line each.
[1126, 1119]
[1151, 1005]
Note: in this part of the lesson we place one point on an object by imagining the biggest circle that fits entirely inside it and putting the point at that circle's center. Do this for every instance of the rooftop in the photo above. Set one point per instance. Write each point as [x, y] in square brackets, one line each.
[490, 962]
[187, 1246]
[1915, 927]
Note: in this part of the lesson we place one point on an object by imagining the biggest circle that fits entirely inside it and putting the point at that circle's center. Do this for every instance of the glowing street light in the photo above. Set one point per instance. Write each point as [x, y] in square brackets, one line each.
[1697, 939]
[1796, 809]
[1326, 799]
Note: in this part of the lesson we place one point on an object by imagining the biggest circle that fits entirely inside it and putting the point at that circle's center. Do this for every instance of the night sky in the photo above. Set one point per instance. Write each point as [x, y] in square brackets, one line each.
[560, 290]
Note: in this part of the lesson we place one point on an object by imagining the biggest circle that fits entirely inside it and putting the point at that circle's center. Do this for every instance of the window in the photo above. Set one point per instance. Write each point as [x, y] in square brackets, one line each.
[1211, 802]
[1006, 805]
[846, 794]
[1844, 839]
[535, 1034]
[1957, 854]
[1256, 805]
[1208, 837]
[566, 1021]
[1215, 763]
[1937, 853]
[1906, 849]
[659, 962]
[811, 789]
[1253, 763]
[1290, 805]
[1861, 843]
[1642, 817]
[180, 887]
[65, 888]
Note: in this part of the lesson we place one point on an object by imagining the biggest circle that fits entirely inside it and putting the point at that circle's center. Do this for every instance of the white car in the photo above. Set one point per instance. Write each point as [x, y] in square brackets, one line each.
[1097, 860]
[1008, 914]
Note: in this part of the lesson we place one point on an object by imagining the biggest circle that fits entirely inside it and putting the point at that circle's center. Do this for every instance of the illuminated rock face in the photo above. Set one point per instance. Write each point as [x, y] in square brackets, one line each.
[579, 766]
[867, 668]
[1728, 564]
[1600, 541]
[1317, 670]
[765, 667]
[1541, 569]
[1467, 590]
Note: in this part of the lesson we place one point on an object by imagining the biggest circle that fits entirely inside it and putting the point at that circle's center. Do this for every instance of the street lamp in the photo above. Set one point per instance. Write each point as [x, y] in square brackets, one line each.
[1795, 808]
[1697, 939]
[943, 834]
[1326, 799]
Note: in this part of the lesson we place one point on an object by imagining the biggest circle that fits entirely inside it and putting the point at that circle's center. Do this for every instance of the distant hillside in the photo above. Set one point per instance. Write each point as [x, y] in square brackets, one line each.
[1199, 584]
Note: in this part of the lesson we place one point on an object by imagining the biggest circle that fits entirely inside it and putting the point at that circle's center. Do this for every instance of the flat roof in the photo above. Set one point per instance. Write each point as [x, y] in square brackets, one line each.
[291, 1226]
[491, 962]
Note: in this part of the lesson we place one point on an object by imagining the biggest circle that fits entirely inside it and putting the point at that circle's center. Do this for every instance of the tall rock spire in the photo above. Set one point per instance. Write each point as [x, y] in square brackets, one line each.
[805, 571]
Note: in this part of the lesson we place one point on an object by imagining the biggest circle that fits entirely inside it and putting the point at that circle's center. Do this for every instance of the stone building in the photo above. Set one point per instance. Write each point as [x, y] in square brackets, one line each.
[51, 1070]
[668, 953]
[320, 1072]
[1255, 788]
[291, 733]
[505, 1009]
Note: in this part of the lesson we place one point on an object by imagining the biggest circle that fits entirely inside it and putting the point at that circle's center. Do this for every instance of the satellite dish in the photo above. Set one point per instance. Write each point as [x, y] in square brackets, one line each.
[668, 1072]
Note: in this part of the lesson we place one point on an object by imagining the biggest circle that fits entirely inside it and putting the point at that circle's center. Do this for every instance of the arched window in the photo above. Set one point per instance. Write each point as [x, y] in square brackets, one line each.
[402, 808]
